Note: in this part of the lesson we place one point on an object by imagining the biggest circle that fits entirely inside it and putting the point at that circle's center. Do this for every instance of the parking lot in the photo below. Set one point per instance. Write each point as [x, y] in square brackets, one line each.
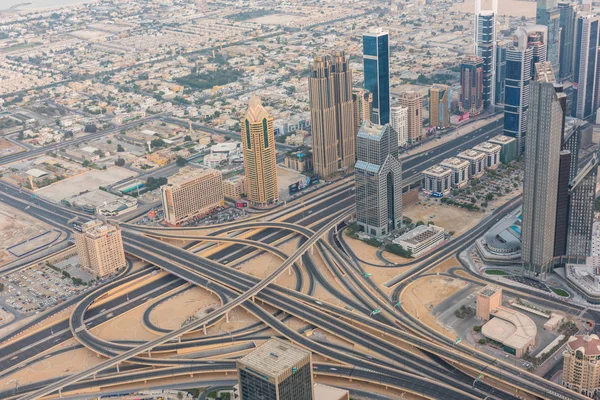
[38, 288]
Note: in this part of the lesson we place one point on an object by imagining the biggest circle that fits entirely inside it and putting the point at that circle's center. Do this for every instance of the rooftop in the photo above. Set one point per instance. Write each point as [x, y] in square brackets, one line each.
[489, 290]
[275, 357]
[487, 146]
[420, 234]
[188, 174]
[324, 392]
[501, 139]
[454, 162]
[588, 344]
[437, 170]
[471, 154]
[510, 327]
[369, 129]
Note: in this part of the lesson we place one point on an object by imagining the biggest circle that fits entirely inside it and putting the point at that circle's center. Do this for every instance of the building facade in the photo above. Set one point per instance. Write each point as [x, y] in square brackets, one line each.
[509, 150]
[519, 57]
[376, 60]
[378, 178]
[485, 48]
[399, 123]
[544, 135]
[363, 107]
[332, 114]
[439, 106]
[585, 68]
[489, 299]
[471, 82]
[260, 163]
[548, 15]
[421, 239]
[492, 153]
[413, 101]
[190, 193]
[100, 248]
[568, 15]
[234, 187]
[277, 370]
[477, 161]
[581, 369]
[582, 196]
[460, 169]
[500, 72]
[437, 180]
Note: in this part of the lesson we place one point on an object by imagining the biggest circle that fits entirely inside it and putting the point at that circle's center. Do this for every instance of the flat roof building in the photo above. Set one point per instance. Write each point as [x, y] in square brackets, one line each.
[477, 160]
[234, 187]
[100, 248]
[509, 147]
[421, 239]
[511, 329]
[488, 299]
[190, 193]
[437, 179]
[324, 392]
[277, 370]
[492, 152]
[460, 169]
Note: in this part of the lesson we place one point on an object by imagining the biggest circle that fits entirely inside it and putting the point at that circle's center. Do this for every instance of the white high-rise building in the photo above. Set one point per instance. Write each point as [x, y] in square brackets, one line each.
[399, 123]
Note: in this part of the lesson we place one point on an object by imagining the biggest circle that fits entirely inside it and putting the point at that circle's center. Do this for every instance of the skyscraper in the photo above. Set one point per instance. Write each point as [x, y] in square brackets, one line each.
[376, 59]
[378, 177]
[100, 248]
[548, 15]
[363, 105]
[277, 370]
[485, 47]
[543, 143]
[537, 39]
[568, 15]
[581, 369]
[332, 114]
[562, 204]
[414, 102]
[439, 106]
[585, 65]
[519, 57]
[471, 81]
[399, 123]
[582, 193]
[500, 72]
[260, 163]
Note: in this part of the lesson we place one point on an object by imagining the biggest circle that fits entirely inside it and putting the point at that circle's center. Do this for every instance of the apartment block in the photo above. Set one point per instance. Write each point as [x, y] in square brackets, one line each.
[492, 153]
[100, 248]
[460, 169]
[477, 161]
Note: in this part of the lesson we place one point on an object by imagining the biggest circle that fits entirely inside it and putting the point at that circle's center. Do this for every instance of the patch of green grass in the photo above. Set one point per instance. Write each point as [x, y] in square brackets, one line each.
[496, 272]
[560, 292]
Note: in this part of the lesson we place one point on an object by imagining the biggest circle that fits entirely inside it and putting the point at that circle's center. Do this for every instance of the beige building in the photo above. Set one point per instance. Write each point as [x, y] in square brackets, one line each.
[460, 168]
[260, 163]
[298, 161]
[363, 106]
[488, 299]
[190, 193]
[439, 106]
[437, 179]
[512, 330]
[234, 187]
[477, 160]
[414, 102]
[492, 153]
[100, 248]
[332, 114]
[581, 369]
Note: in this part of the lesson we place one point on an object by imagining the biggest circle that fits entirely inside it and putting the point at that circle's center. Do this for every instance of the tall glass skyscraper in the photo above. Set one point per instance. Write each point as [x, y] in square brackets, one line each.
[500, 72]
[471, 85]
[376, 59]
[585, 65]
[542, 160]
[568, 15]
[548, 15]
[519, 56]
[485, 47]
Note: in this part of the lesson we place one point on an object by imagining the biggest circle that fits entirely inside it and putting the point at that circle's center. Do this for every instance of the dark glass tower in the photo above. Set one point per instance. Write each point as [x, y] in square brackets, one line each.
[585, 65]
[376, 60]
[548, 15]
[500, 72]
[568, 14]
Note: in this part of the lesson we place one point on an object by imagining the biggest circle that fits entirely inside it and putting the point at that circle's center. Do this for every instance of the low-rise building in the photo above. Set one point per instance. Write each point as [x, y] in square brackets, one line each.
[421, 239]
[581, 369]
[298, 161]
[509, 148]
[191, 193]
[492, 152]
[489, 298]
[295, 140]
[477, 161]
[514, 331]
[234, 187]
[460, 169]
[229, 149]
[100, 248]
[438, 180]
[214, 160]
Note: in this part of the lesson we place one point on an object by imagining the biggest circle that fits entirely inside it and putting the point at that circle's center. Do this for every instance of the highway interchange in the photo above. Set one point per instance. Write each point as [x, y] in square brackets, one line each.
[378, 352]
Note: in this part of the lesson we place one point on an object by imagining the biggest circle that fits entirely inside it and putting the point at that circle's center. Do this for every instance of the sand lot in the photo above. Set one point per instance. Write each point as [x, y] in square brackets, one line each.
[16, 227]
[171, 313]
[425, 293]
[86, 181]
[450, 218]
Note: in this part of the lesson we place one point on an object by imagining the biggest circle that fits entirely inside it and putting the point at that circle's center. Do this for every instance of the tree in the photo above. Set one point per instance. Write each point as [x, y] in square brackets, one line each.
[419, 223]
[477, 328]
[181, 162]
[119, 162]
[120, 149]
[489, 197]
[90, 128]
[187, 138]
[482, 341]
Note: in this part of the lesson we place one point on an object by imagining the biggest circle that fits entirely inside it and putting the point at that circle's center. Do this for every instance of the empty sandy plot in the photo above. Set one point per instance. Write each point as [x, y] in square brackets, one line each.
[16, 227]
[171, 313]
[514, 8]
[451, 218]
